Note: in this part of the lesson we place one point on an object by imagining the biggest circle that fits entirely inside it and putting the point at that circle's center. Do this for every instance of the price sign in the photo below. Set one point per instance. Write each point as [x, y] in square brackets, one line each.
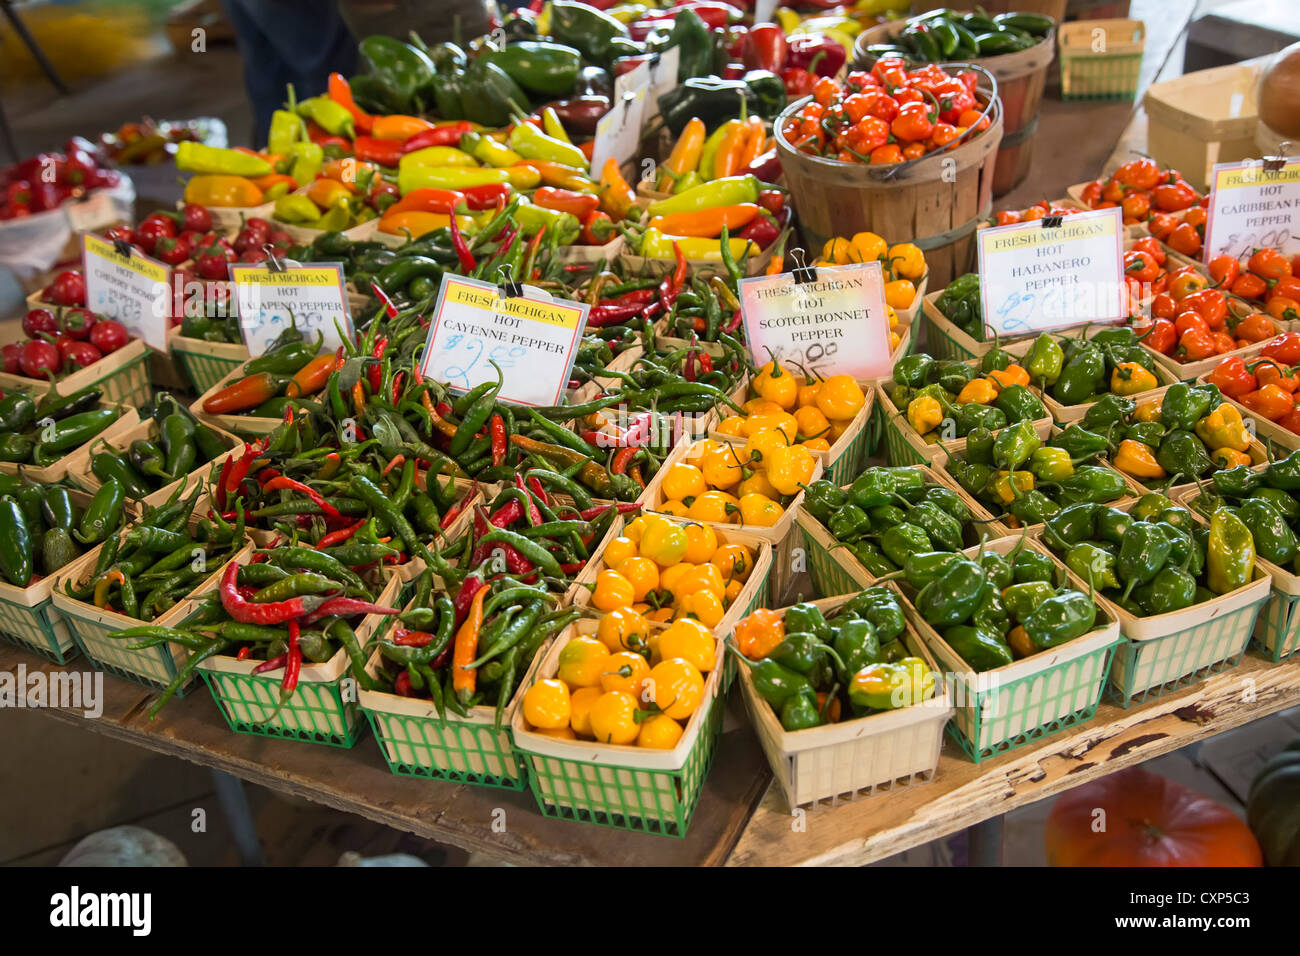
[531, 338]
[663, 76]
[1035, 277]
[618, 132]
[313, 297]
[837, 324]
[1253, 207]
[131, 288]
[633, 79]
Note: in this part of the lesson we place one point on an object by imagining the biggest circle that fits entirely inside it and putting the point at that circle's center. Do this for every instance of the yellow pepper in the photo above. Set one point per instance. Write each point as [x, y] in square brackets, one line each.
[1008, 484]
[1223, 428]
[867, 247]
[759, 511]
[924, 414]
[659, 245]
[438, 156]
[776, 384]
[763, 446]
[1129, 378]
[612, 591]
[1148, 411]
[840, 398]
[1229, 457]
[759, 634]
[790, 468]
[663, 543]
[225, 191]
[783, 422]
[978, 391]
[413, 176]
[1136, 459]
[420, 223]
[837, 251]
[1011, 375]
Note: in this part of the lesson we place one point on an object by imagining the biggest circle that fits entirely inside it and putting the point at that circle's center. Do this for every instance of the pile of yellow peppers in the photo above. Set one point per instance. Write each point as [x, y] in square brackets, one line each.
[656, 571]
[721, 483]
[903, 263]
[812, 415]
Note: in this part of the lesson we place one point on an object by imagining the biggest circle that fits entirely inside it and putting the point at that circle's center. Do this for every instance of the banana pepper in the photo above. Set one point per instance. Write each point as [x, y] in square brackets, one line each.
[729, 191]
[194, 157]
[659, 245]
[223, 191]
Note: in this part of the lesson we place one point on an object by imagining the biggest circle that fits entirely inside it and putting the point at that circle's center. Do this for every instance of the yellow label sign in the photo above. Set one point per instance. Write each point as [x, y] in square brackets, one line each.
[140, 265]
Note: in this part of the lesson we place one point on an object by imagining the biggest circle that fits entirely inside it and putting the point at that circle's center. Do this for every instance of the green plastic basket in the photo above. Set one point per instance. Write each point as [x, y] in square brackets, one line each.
[1000, 710]
[207, 363]
[38, 626]
[626, 788]
[316, 712]
[1106, 73]
[1149, 668]
[123, 375]
[898, 450]
[1277, 631]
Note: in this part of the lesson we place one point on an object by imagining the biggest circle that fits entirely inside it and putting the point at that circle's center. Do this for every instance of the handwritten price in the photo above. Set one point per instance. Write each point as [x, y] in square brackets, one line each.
[808, 356]
[118, 305]
[1061, 305]
[1242, 247]
[462, 356]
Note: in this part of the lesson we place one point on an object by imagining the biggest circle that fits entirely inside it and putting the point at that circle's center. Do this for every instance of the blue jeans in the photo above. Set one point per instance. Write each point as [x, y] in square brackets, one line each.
[288, 41]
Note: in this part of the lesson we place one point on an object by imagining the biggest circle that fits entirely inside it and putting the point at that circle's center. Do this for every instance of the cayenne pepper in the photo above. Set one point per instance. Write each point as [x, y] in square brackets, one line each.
[499, 441]
[464, 679]
[294, 663]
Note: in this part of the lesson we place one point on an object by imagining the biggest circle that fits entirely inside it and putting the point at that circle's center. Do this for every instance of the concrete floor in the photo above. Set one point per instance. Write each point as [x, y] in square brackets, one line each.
[63, 783]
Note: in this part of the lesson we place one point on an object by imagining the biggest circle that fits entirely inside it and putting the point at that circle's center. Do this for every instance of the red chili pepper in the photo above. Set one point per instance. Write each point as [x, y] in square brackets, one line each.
[465, 596]
[345, 607]
[688, 366]
[706, 363]
[672, 283]
[535, 486]
[572, 567]
[467, 261]
[454, 511]
[623, 508]
[534, 513]
[604, 315]
[499, 441]
[244, 652]
[566, 200]
[385, 152]
[734, 323]
[402, 685]
[622, 458]
[274, 663]
[503, 517]
[338, 537]
[412, 638]
[294, 664]
[275, 612]
[448, 135]
[284, 483]
[222, 479]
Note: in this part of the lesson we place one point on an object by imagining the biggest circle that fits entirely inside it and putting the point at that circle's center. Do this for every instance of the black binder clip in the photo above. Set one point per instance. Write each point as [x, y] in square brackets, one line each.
[122, 248]
[508, 287]
[803, 273]
[273, 263]
[1051, 222]
[1275, 164]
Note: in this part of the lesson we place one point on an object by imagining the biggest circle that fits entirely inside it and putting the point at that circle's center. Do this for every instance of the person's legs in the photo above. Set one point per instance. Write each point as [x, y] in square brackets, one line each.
[265, 73]
[290, 41]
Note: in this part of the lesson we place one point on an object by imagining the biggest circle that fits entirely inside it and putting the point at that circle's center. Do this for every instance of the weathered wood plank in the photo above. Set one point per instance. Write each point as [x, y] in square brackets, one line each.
[963, 793]
[358, 781]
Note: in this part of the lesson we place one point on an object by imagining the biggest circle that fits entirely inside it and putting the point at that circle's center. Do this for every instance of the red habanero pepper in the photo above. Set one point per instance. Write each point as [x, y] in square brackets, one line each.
[246, 612]
[497, 429]
[467, 261]
[1285, 348]
[447, 135]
